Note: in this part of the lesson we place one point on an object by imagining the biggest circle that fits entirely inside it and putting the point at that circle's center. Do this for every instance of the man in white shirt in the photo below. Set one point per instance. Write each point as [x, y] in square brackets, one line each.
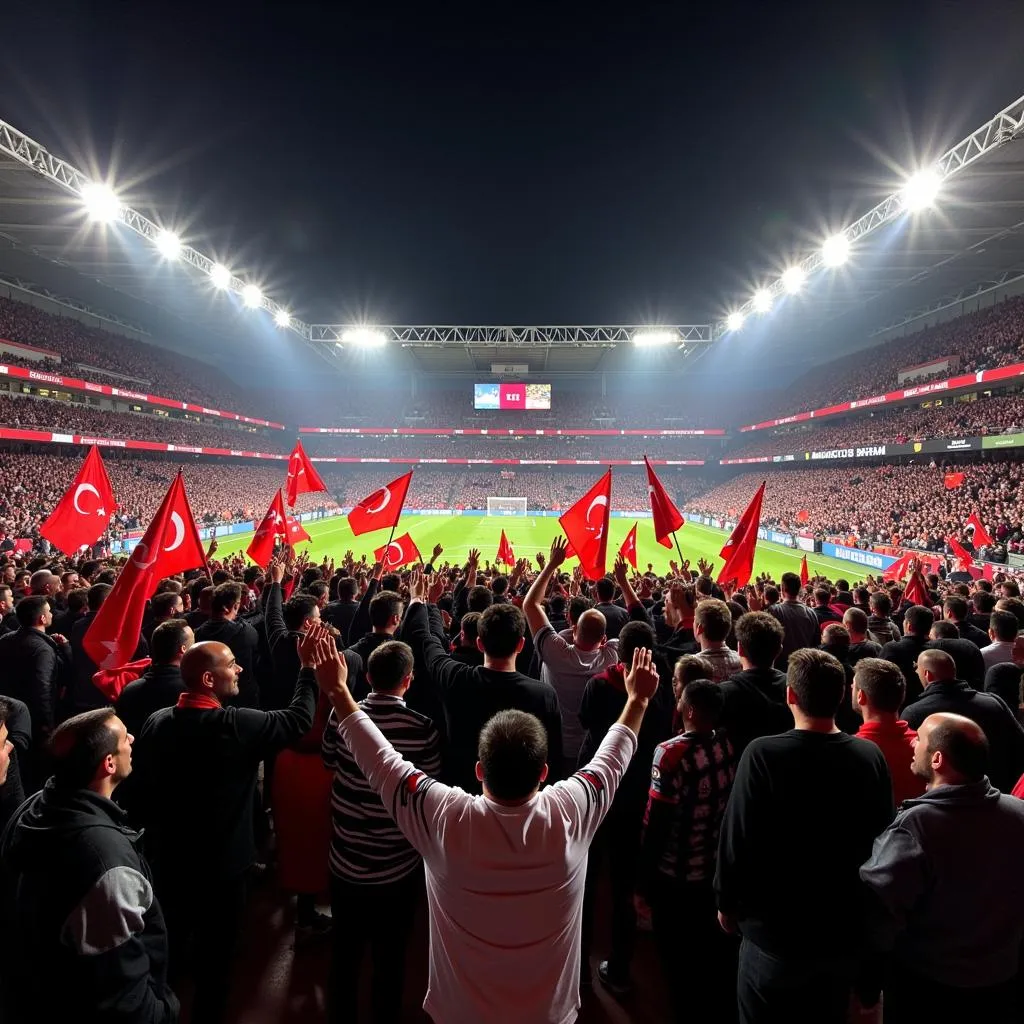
[505, 871]
[1002, 631]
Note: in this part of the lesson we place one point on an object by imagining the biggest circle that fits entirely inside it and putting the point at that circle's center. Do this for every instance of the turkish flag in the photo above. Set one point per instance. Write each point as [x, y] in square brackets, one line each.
[953, 481]
[980, 537]
[962, 555]
[628, 549]
[302, 475]
[170, 545]
[274, 525]
[803, 515]
[401, 551]
[587, 533]
[898, 569]
[505, 552]
[296, 531]
[667, 518]
[917, 590]
[82, 514]
[987, 571]
[739, 548]
[805, 576]
[382, 509]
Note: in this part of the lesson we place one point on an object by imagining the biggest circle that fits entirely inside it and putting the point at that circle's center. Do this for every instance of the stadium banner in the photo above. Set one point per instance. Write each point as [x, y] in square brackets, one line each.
[74, 384]
[868, 559]
[50, 437]
[958, 383]
[501, 462]
[509, 432]
[930, 446]
[1003, 441]
[1015, 560]
[805, 543]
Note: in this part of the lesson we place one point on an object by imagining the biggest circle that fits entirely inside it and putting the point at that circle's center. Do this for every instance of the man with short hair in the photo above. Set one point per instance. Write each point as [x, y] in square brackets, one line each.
[822, 612]
[376, 874]
[712, 624]
[881, 627]
[225, 627]
[878, 690]
[164, 605]
[812, 788]
[91, 941]
[201, 602]
[161, 684]
[799, 623]
[954, 608]
[340, 613]
[970, 665]
[615, 616]
[904, 652]
[856, 622]
[8, 620]
[1002, 633]
[464, 646]
[943, 692]
[505, 870]
[946, 904]
[76, 605]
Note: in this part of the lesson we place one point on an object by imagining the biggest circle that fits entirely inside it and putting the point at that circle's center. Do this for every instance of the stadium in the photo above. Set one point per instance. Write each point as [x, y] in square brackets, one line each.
[899, 446]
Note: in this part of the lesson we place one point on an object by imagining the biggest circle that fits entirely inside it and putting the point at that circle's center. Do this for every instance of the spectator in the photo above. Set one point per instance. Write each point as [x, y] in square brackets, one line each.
[856, 622]
[161, 684]
[615, 616]
[904, 652]
[225, 627]
[799, 623]
[954, 608]
[712, 623]
[1002, 632]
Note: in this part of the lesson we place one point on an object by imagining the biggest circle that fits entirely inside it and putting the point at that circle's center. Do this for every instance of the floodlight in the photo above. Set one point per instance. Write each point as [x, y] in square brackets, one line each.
[169, 245]
[922, 189]
[283, 318]
[762, 300]
[368, 337]
[252, 296]
[836, 250]
[220, 276]
[793, 279]
[100, 203]
[734, 321]
[653, 336]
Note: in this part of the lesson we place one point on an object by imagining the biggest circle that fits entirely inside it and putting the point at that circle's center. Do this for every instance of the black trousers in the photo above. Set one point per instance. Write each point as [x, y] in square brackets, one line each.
[379, 917]
[204, 923]
[911, 998]
[694, 951]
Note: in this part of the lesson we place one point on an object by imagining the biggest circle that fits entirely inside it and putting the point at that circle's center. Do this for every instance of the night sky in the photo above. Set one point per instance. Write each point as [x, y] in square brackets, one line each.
[486, 163]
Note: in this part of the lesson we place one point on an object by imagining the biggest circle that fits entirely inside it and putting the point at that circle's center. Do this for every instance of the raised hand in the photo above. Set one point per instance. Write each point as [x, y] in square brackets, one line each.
[558, 548]
[437, 584]
[436, 554]
[641, 679]
[621, 571]
[706, 567]
[331, 671]
[417, 586]
[541, 559]
[276, 570]
[473, 558]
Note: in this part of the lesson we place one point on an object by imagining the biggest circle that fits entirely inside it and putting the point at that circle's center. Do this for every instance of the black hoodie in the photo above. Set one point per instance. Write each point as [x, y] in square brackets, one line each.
[755, 705]
[91, 945]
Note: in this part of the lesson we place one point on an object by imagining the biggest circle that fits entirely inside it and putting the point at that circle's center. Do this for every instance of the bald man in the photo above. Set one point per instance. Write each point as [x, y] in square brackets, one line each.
[947, 906]
[943, 692]
[196, 769]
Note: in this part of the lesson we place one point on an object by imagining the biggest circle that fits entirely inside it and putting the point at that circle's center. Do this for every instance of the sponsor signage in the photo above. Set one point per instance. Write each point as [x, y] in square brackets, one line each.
[868, 559]
[1003, 441]
[510, 432]
[931, 446]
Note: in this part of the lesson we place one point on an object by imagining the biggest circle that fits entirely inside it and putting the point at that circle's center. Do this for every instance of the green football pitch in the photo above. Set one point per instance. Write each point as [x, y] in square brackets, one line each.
[457, 534]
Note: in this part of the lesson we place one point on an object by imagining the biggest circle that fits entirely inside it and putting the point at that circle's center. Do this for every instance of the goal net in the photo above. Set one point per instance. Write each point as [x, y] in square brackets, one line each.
[506, 506]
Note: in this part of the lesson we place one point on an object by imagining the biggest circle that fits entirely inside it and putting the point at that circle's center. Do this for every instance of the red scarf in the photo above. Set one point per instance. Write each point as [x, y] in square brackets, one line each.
[200, 701]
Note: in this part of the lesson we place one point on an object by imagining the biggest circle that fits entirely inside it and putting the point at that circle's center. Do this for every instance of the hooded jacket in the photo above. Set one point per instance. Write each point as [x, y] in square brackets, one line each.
[755, 705]
[91, 942]
[945, 884]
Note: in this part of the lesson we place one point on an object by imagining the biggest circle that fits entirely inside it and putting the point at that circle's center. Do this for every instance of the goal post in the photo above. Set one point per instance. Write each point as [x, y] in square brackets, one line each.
[506, 506]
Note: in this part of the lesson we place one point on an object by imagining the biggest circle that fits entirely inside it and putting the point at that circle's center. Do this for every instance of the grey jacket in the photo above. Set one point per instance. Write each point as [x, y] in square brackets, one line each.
[944, 879]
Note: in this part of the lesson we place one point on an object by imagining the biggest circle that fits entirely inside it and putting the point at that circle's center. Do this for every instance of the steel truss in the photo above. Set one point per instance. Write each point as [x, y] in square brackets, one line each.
[517, 337]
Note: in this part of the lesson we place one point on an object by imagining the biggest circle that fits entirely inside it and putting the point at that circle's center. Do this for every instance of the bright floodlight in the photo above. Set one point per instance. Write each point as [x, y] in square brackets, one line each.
[652, 336]
[762, 300]
[169, 245]
[220, 276]
[734, 321]
[283, 318]
[368, 337]
[836, 250]
[793, 279]
[100, 203]
[922, 189]
[252, 296]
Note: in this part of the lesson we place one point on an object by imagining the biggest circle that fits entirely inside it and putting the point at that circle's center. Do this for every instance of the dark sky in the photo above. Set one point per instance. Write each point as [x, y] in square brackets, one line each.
[488, 163]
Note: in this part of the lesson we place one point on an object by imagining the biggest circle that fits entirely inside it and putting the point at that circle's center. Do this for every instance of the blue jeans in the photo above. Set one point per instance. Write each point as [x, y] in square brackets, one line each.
[794, 990]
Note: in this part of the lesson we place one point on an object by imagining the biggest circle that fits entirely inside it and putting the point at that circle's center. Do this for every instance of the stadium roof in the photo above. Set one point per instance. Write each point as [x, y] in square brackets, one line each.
[901, 263]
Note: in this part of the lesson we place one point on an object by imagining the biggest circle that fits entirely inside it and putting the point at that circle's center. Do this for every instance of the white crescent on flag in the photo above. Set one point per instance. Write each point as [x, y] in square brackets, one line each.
[141, 549]
[601, 499]
[78, 492]
[394, 559]
[179, 532]
[373, 510]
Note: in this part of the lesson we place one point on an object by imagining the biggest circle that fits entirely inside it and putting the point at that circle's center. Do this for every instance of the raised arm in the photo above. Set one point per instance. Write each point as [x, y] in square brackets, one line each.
[273, 616]
[533, 606]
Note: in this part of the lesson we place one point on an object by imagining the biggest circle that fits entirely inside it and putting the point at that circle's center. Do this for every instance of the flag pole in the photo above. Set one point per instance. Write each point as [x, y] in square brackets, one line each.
[678, 549]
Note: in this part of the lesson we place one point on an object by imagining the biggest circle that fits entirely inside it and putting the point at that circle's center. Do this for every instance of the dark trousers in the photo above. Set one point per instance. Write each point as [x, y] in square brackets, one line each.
[695, 953]
[381, 917]
[204, 922]
[797, 990]
[911, 998]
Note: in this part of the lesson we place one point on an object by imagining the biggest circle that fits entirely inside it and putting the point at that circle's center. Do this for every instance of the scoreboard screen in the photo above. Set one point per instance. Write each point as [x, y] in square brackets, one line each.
[511, 396]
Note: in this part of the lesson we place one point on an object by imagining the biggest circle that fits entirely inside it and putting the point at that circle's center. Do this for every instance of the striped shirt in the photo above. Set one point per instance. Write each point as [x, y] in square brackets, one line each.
[366, 844]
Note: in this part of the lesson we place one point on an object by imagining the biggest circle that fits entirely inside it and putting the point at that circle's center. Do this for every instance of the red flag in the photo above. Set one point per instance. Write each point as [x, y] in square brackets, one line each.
[382, 509]
[505, 552]
[898, 569]
[628, 549]
[917, 590]
[589, 534]
[667, 518]
[739, 548]
[302, 475]
[981, 537]
[401, 551]
[987, 571]
[570, 552]
[803, 516]
[953, 481]
[274, 525]
[805, 576]
[82, 514]
[961, 554]
[170, 545]
[296, 531]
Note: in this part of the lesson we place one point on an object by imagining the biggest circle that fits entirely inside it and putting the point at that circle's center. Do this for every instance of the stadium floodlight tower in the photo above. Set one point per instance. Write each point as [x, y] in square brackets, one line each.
[366, 337]
[100, 202]
[651, 337]
[220, 276]
[252, 296]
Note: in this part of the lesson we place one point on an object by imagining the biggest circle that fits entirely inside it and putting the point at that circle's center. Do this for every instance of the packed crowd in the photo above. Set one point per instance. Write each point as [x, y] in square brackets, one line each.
[501, 749]
[904, 506]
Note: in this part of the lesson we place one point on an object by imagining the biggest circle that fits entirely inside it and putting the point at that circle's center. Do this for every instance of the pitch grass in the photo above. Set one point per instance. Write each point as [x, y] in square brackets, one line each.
[457, 534]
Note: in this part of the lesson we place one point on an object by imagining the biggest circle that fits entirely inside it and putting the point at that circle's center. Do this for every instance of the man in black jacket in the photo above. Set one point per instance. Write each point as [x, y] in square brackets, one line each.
[917, 624]
[197, 764]
[944, 692]
[8, 619]
[91, 941]
[225, 627]
[954, 608]
[615, 616]
[160, 685]
[341, 612]
[755, 699]
[472, 695]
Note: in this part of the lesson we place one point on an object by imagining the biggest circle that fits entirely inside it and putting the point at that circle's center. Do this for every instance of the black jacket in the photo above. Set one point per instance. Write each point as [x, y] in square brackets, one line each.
[970, 664]
[615, 617]
[754, 705]
[91, 943]
[34, 669]
[9, 623]
[1003, 731]
[158, 687]
[903, 653]
[84, 696]
[340, 615]
[978, 637]
[863, 649]
[244, 642]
